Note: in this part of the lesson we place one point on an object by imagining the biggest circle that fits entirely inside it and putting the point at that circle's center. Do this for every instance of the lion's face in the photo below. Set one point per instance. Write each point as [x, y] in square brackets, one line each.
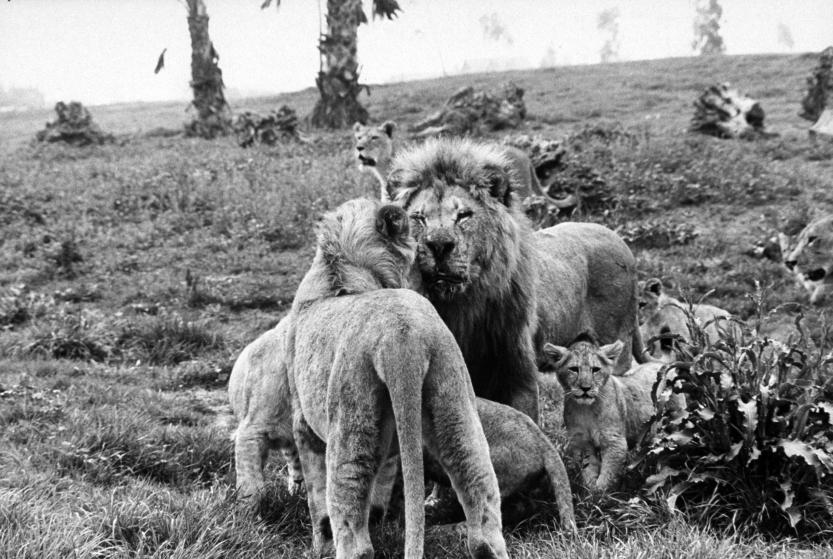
[457, 195]
[812, 258]
[374, 144]
[648, 299]
[583, 368]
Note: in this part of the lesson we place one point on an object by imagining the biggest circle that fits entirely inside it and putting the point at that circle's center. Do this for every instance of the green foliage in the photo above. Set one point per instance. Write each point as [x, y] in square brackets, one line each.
[752, 449]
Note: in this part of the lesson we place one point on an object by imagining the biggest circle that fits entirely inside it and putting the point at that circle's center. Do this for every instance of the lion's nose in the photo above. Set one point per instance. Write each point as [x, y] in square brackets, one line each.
[440, 246]
[790, 264]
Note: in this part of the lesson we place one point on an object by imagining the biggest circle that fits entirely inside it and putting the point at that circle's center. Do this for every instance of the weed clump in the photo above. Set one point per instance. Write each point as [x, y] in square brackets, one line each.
[166, 339]
[753, 449]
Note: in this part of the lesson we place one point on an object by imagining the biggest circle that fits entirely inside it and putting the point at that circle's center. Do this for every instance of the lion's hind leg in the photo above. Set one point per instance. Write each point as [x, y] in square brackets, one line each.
[454, 437]
[360, 436]
[311, 452]
[251, 448]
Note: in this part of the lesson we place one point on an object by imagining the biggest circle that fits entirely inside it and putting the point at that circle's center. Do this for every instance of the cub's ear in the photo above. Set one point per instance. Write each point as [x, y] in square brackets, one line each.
[612, 351]
[653, 285]
[555, 353]
[392, 222]
[357, 126]
[388, 127]
[498, 183]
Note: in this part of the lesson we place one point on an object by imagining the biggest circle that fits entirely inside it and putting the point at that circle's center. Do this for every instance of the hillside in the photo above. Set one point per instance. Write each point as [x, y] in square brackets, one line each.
[132, 274]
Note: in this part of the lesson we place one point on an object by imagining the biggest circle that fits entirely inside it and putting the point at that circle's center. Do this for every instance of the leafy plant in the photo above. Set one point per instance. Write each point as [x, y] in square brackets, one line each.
[753, 447]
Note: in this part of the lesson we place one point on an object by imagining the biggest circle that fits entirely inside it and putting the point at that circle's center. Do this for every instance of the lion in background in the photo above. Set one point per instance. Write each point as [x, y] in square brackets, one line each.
[661, 315]
[502, 289]
[811, 260]
[373, 368]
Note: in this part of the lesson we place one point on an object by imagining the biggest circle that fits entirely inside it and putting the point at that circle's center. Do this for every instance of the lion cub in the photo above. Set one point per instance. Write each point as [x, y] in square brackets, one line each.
[659, 314]
[522, 455]
[604, 414]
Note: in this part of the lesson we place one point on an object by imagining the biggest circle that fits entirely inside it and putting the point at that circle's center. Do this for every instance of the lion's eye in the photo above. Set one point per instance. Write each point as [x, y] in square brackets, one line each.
[464, 214]
[811, 240]
[573, 369]
[596, 370]
[642, 304]
[418, 217]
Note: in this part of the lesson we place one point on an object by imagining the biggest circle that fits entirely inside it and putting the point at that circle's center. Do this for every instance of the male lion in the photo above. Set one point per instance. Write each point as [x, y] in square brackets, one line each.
[604, 413]
[501, 288]
[660, 314]
[373, 368]
[811, 259]
[374, 151]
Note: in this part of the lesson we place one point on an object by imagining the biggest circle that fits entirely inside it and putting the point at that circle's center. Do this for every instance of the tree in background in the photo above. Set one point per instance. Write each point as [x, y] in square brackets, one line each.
[707, 39]
[785, 37]
[338, 74]
[213, 113]
[608, 23]
[494, 29]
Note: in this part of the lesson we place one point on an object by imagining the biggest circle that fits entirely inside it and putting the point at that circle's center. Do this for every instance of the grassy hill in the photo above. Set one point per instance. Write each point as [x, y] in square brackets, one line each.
[132, 274]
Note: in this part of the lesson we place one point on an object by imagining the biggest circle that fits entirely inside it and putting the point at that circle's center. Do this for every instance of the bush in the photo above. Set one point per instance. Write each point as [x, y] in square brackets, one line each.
[753, 449]
[68, 335]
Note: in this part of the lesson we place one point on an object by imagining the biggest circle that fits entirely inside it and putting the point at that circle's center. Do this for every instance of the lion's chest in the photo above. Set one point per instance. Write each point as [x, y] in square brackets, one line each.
[593, 425]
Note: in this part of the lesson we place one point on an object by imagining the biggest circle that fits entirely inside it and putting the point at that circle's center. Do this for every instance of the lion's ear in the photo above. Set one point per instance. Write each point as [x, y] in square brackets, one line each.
[500, 187]
[388, 127]
[392, 222]
[555, 352]
[653, 285]
[612, 351]
[357, 126]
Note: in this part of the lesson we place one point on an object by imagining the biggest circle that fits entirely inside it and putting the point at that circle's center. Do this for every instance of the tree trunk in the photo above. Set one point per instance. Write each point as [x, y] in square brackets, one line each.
[338, 79]
[213, 113]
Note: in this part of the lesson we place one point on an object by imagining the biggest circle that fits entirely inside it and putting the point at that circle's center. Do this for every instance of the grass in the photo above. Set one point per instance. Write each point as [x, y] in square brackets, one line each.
[132, 274]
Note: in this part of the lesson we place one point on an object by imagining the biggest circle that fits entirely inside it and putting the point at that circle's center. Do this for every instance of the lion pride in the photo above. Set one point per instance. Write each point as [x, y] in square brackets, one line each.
[502, 289]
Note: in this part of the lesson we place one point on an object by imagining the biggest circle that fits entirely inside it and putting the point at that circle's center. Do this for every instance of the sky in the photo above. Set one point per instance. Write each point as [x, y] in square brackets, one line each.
[104, 51]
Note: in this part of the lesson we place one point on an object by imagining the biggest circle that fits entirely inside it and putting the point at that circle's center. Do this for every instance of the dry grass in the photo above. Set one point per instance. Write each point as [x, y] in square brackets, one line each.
[113, 441]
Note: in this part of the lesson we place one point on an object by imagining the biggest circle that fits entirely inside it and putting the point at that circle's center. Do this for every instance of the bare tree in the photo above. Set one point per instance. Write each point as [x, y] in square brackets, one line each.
[608, 22]
[213, 113]
[338, 74]
[785, 37]
[707, 39]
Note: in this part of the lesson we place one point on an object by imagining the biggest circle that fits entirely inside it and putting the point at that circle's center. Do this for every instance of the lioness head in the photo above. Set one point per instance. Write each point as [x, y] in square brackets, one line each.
[374, 144]
[362, 245]
[812, 258]
[459, 198]
[583, 368]
[648, 297]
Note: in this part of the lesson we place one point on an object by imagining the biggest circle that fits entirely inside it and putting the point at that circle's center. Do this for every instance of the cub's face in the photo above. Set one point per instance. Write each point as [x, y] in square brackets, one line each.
[583, 368]
[373, 144]
[648, 299]
[812, 258]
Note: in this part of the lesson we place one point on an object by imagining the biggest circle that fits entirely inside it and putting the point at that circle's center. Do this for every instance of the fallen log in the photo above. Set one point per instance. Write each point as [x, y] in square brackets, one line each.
[73, 126]
[726, 113]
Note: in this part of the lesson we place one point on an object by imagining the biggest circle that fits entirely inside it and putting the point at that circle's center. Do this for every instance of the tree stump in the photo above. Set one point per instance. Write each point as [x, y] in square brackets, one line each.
[73, 126]
[469, 112]
[725, 113]
[252, 128]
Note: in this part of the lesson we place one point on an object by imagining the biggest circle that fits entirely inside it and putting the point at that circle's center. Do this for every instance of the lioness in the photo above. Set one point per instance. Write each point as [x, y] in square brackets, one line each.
[501, 288]
[603, 413]
[522, 456]
[373, 367]
[661, 314]
[374, 151]
[811, 259]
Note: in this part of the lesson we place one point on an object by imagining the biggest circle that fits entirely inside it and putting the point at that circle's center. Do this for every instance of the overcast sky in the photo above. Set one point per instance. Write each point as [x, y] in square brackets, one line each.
[104, 51]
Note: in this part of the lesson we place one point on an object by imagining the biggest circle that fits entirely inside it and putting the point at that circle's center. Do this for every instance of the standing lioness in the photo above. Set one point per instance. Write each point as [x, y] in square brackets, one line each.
[374, 371]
